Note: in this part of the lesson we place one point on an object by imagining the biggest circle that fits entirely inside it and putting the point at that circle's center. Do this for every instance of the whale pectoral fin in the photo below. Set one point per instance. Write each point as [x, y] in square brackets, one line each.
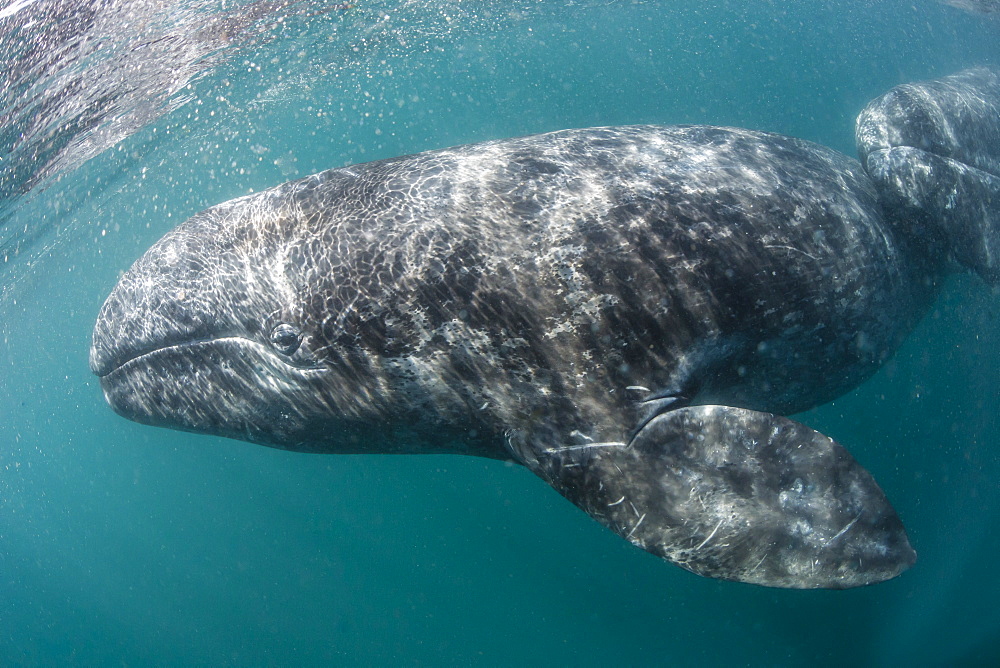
[738, 495]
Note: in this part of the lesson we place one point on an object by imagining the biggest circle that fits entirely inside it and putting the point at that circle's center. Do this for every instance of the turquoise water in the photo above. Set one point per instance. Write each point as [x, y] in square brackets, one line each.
[126, 544]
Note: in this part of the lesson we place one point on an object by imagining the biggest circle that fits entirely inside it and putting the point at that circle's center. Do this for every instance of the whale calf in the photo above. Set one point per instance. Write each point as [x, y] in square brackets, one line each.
[627, 311]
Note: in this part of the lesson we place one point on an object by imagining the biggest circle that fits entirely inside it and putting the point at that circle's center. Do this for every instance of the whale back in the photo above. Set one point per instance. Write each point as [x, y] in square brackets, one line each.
[933, 150]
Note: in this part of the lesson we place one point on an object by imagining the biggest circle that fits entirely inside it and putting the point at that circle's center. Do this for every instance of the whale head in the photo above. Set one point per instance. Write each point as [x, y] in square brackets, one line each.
[213, 330]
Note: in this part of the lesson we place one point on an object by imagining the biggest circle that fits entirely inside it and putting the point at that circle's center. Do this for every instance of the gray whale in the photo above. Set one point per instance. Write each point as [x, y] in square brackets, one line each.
[627, 311]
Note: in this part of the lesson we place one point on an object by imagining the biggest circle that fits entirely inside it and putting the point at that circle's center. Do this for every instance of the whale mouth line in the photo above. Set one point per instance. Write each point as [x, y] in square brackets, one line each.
[185, 346]
[173, 347]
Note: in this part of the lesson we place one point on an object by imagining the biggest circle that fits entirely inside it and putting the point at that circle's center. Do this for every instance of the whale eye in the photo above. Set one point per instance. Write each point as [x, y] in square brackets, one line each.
[285, 338]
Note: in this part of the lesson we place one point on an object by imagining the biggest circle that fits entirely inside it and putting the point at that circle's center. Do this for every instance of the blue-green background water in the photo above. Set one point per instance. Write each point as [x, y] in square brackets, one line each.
[126, 544]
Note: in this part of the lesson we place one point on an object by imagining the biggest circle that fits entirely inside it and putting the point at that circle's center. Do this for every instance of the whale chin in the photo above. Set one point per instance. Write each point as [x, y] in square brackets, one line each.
[231, 386]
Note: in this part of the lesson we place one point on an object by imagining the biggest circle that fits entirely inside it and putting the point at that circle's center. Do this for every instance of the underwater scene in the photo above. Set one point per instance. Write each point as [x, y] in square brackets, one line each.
[630, 263]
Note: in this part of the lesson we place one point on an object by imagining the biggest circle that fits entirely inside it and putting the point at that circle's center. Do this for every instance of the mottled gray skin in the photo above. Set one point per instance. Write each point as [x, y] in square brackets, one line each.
[562, 299]
[737, 495]
[933, 150]
[626, 311]
[521, 286]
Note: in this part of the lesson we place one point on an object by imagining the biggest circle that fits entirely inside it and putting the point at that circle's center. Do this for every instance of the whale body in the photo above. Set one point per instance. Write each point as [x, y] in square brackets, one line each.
[627, 311]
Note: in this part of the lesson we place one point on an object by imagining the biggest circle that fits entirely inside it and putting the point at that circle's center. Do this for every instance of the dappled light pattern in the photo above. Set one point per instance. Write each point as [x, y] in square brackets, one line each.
[539, 296]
